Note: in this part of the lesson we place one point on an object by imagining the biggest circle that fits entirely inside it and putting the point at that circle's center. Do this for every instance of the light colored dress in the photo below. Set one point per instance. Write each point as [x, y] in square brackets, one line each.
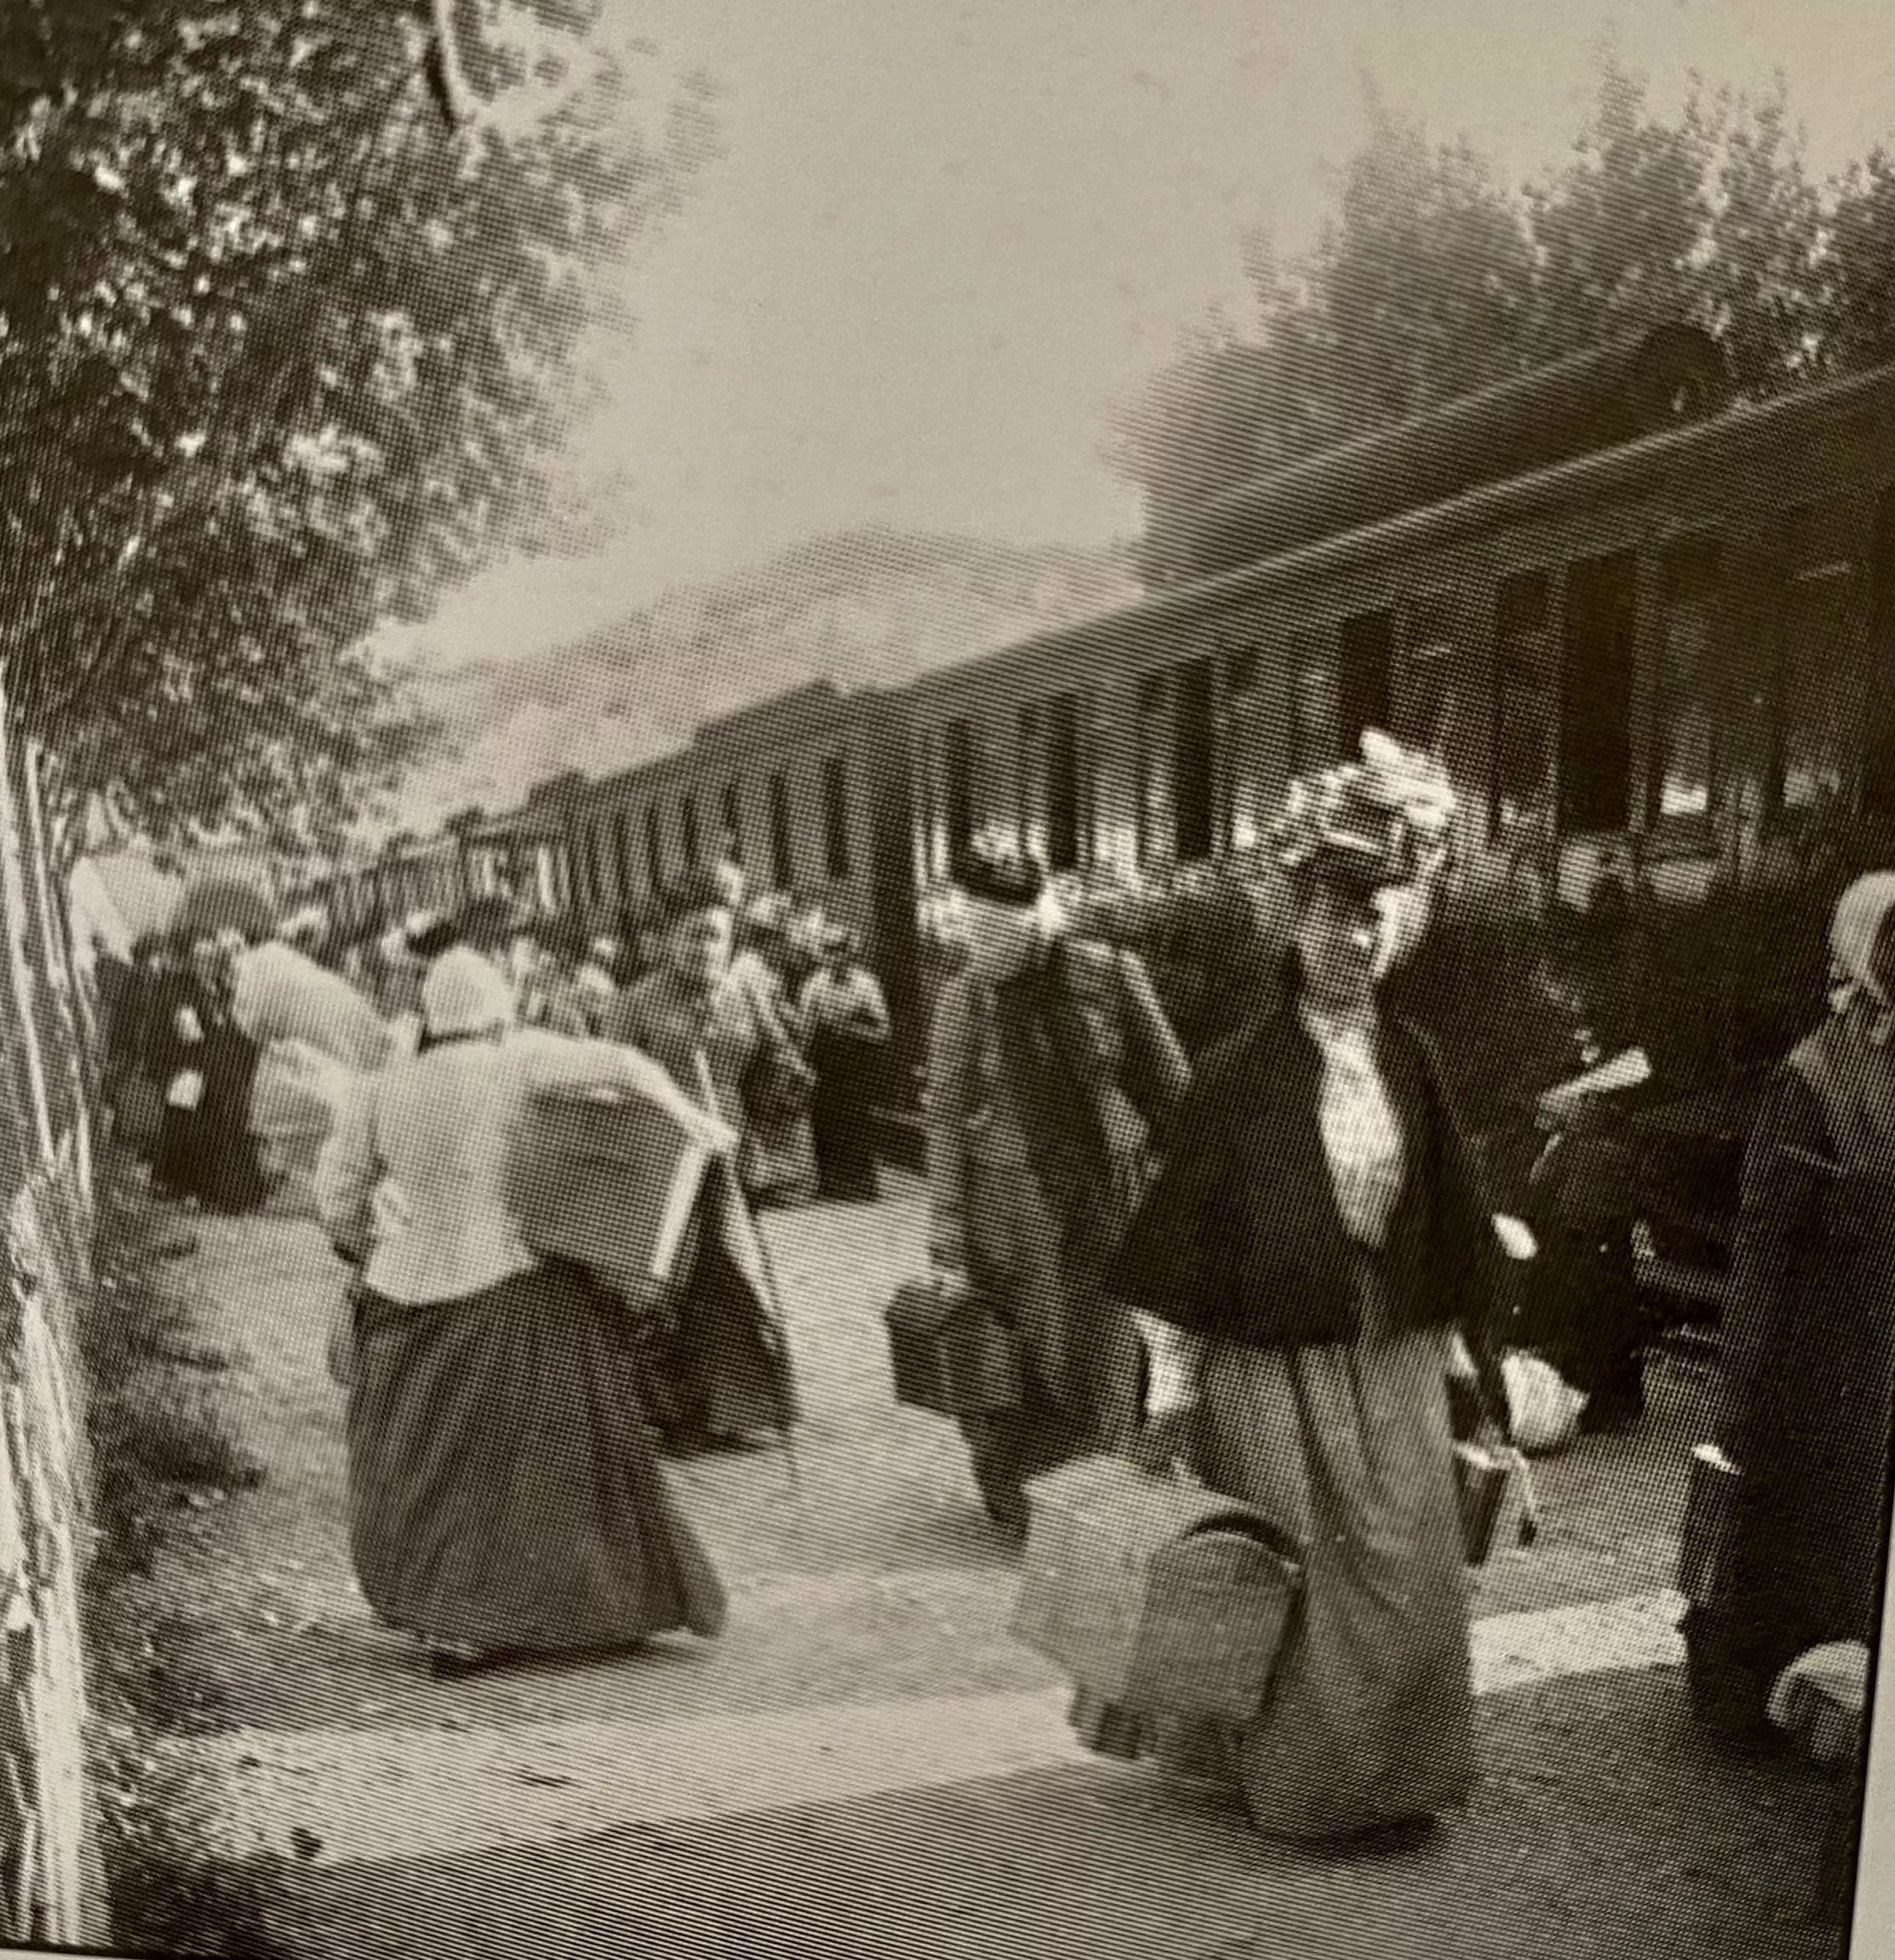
[1349, 1447]
[504, 1491]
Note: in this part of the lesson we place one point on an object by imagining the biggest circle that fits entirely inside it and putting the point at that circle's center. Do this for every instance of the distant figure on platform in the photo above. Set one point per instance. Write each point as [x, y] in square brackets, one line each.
[1050, 1065]
[207, 1153]
[503, 1494]
[779, 1166]
[1809, 1342]
[845, 1016]
[134, 1099]
[726, 1361]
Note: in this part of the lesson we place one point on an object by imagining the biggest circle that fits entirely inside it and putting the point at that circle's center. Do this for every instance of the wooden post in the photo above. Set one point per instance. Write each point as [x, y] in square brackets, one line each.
[13, 904]
[54, 929]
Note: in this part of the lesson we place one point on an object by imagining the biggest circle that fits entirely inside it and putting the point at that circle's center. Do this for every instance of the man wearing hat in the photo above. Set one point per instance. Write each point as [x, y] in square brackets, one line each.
[1050, 1064]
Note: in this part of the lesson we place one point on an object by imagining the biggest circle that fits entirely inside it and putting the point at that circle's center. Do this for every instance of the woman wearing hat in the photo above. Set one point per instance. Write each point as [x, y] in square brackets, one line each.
[1809, 1342]
[503, 1494]
[846, 1015]
[728, 1369]
[1314, 1241]
[1050, 1063]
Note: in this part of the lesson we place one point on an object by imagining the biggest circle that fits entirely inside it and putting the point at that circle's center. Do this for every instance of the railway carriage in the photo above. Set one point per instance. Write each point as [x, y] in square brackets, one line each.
[1651, 634]
[806, 793]
[1652, 638]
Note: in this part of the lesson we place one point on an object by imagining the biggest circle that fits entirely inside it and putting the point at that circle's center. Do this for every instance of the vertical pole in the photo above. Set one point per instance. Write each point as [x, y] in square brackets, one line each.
[13, 902]
[54, 931]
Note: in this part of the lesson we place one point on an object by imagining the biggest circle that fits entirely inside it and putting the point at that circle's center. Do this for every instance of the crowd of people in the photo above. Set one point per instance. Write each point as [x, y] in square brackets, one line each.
[1275, 1267]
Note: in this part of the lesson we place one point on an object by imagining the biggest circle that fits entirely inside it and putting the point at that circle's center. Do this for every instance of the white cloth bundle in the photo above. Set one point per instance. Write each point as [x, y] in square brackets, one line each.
[1821, 1697]
[1543, 1407]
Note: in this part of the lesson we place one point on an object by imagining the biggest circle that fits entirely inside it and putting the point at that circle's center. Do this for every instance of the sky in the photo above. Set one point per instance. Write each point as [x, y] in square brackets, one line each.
[944, 238]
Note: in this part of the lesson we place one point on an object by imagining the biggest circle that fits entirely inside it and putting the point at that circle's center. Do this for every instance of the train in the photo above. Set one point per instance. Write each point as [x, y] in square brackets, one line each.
[1648, 627]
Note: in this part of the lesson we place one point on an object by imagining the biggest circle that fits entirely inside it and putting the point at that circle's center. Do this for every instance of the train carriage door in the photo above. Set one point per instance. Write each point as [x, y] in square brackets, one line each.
[1425, 703]
[1365, 678]
[1029, 782]
[1681, 774]
[1811, 714]
[1194, 761]
[1595, 694]
[958, 788]
[1064, 818]
[1246, 750]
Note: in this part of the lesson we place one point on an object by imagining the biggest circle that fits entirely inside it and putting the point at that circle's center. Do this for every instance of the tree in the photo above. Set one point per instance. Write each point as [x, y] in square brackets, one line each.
[1430, 280]
[291, 303]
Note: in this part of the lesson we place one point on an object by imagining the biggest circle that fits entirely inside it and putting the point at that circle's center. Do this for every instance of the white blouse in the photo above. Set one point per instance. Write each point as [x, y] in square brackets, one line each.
[1361, 1135]
[1368, 1160]
[420, 1155]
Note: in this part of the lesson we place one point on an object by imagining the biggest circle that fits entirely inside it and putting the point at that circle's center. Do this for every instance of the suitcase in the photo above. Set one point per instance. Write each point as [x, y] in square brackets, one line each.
[1480, 1482]
[608, 1180]
[956, 1357]
[1707, 1516]
[1154, 1592]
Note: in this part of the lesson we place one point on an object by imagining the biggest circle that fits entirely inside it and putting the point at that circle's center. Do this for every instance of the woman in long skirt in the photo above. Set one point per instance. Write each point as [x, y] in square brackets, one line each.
[1314, 1240]
[206, 1150]
[504, 1495]
[1808, 1414]
[720, 1351]
[845, 1018]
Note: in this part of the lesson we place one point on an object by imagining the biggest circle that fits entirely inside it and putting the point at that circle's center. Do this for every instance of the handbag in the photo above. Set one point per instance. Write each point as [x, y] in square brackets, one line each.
[954, 1356]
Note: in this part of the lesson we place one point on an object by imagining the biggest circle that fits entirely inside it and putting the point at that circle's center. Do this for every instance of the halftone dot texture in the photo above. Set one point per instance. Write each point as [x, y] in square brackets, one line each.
[1477, 480]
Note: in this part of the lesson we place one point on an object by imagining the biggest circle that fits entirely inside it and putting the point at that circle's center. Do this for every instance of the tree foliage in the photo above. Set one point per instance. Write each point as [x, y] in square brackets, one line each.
[290, 314]
[1433, 279]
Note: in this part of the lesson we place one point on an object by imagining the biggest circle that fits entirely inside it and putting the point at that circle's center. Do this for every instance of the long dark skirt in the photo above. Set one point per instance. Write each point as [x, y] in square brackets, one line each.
[728, 1371]
[1585, 1316]
[209, 1153]
[848, 1076]
[1369, 1718]
[504, 1490]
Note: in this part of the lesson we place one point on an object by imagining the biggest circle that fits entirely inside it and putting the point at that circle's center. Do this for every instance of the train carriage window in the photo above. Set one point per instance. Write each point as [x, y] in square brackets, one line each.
[1194, 762]
[1683, 759]
[1424, 713]
[1026, 783]
[1365, 677]
[1152, 810]
[1313, 711]
[687, 822]
[1809, 709]
[654, 847]
[957, 755]
[1595, 694]
[594, 882]
[622, 855]
[733, 822]
[1243, 742]
[1064, 818]
[782, 856]
[1523, 662]
[929, 843]
[835, 816]
[1878, 762]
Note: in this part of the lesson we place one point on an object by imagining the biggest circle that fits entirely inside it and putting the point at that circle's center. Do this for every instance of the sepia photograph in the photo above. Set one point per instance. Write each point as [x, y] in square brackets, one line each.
[948, 996]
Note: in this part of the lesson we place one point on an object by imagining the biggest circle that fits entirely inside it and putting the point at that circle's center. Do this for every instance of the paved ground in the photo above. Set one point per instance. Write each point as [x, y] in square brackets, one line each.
[866, 1764]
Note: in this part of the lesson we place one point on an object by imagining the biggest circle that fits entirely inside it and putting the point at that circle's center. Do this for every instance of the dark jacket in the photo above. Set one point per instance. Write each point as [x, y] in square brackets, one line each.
[1240, 1239]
